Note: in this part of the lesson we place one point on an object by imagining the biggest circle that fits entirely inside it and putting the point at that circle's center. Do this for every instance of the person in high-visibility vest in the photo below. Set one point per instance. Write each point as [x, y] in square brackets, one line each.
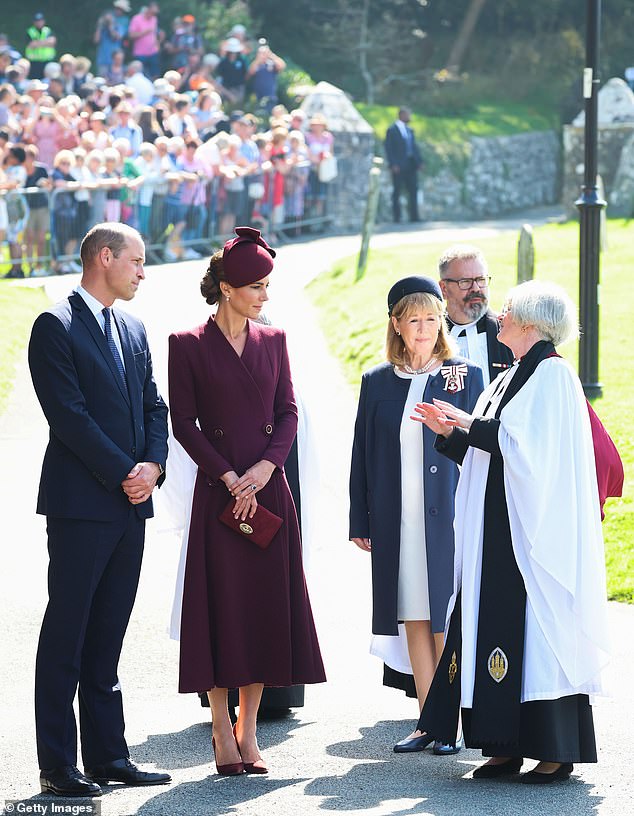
[40, 47]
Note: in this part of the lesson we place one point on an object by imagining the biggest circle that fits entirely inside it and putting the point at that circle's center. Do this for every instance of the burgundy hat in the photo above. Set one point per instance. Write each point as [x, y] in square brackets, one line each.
[247, 258]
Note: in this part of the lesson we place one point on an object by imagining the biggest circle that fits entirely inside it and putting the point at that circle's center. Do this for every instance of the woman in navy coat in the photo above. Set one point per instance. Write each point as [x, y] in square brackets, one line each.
[401, 490]
[246, 618]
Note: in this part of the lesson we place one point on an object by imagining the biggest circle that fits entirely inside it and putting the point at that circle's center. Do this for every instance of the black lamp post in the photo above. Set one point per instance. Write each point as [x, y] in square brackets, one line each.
[590, 206]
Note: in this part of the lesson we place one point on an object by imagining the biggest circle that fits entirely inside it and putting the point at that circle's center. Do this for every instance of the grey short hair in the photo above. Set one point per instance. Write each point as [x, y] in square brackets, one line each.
[460, 252]
[547, 308]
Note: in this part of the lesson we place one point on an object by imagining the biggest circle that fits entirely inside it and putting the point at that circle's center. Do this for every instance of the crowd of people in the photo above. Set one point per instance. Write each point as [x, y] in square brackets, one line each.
[156, 136]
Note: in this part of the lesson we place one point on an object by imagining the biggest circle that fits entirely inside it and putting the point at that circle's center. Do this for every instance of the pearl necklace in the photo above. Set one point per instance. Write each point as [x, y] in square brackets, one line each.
[429, 364]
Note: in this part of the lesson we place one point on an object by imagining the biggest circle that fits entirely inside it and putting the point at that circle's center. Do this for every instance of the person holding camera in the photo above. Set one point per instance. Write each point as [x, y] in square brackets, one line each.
[262, 75]
[111, 31]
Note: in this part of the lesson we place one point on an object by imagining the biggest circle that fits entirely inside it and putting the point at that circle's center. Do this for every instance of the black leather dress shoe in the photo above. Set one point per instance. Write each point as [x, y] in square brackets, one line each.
[411, 745]
[67, 781]
[124, 770]
[511, 766]
[538, 778]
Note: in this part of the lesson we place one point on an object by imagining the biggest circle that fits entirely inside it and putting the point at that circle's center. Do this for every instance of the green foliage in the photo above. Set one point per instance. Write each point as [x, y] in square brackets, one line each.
[353, 319]
[290, 81]
[19, 306]
[219, 18]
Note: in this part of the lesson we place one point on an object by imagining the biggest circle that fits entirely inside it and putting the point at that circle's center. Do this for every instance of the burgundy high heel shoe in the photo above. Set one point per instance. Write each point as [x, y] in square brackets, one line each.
[231, 768]
[257, 767]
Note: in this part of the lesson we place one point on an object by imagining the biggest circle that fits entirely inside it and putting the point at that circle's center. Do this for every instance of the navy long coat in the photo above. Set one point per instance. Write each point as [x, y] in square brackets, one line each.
[375, 487]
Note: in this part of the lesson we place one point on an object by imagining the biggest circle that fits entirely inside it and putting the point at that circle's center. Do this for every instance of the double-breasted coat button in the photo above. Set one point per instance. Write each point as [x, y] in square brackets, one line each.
[268, 429]
[433, 511]
[218, 433]
[433, 469]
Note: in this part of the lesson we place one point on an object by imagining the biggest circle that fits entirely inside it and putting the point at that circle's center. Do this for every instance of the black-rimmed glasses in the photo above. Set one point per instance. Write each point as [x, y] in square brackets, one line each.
[466, 283]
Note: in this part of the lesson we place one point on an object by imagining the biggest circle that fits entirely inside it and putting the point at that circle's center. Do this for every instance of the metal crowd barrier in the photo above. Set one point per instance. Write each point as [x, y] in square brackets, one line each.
[178, 220]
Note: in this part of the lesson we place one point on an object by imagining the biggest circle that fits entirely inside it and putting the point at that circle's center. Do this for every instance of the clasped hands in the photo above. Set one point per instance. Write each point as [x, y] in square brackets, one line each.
[140, 482]
[244, 488]
[442, 417]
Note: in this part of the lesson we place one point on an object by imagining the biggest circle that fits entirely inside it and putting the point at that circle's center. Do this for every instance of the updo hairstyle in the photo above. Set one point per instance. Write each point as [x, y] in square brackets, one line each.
[215, 274]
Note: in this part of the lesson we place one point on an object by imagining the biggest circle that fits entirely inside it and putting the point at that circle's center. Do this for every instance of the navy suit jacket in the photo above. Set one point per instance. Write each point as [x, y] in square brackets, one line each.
[98, 428]
[396, 147]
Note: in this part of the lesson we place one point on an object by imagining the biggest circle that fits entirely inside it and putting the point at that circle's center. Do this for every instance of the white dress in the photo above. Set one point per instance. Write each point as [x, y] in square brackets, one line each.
[413, 590]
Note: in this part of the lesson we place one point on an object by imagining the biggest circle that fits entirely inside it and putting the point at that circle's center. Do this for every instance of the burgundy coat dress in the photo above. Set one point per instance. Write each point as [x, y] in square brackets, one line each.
[246, 615]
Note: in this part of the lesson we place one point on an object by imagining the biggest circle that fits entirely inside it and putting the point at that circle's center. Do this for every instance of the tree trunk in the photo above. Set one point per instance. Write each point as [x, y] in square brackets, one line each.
[463, 39]
[364, 46]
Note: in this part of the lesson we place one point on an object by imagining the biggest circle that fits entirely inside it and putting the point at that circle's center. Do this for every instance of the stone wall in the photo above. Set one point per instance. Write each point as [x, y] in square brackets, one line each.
[503, 174]
[615, 115]
[512, 172]
[611, 141]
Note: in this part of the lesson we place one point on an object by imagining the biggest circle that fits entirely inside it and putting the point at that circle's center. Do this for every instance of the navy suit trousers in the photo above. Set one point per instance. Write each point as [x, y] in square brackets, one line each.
[405, 181]
[92, 580]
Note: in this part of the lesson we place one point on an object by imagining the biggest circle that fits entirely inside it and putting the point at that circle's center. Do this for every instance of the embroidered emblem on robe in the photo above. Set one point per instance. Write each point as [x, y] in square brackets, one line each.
[453, 668]
[498, 664]
[454, 377]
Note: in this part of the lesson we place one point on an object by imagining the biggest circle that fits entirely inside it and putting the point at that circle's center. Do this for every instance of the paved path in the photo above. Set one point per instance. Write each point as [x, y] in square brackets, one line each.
[335, 753]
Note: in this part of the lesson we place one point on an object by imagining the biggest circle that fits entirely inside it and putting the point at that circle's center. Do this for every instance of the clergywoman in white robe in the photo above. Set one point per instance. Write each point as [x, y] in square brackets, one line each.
[527, 640]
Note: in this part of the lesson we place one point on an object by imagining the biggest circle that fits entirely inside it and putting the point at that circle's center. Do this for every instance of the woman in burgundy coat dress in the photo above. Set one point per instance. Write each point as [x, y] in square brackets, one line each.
[246, 617]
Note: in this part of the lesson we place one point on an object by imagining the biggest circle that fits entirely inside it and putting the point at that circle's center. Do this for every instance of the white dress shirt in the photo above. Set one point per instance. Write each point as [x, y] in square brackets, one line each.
[96, 307]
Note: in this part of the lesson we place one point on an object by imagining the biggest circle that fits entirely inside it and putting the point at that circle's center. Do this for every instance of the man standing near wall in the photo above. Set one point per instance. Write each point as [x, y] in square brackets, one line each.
[404, 159]
[464, 282]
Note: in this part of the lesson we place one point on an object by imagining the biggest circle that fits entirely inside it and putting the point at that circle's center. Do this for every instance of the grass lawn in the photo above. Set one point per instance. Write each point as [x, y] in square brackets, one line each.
[19, 306]
[353, 318]
[487, 119]
[445, 139]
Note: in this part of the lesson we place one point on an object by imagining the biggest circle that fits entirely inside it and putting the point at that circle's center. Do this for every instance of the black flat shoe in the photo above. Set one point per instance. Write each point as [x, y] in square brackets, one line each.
[124, 770]
[511, 766]
[537, 778]
[67, 781]
[411, 745]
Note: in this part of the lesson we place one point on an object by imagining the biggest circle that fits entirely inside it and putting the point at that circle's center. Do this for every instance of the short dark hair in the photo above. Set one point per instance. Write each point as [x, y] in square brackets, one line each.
[110, 234]
[18, 153]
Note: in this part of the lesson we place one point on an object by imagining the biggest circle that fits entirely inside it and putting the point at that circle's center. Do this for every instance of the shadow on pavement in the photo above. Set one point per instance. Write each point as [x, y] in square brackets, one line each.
[213, 795]
[191, 747]
[422, 783]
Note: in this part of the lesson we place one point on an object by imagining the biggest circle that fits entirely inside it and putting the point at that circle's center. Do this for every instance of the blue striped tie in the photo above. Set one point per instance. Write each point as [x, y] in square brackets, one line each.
[112, 345]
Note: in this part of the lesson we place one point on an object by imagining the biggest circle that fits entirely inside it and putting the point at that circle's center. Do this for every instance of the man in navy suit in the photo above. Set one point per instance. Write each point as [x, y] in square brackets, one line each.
[92, 372]
[464, 283]
[404, 159]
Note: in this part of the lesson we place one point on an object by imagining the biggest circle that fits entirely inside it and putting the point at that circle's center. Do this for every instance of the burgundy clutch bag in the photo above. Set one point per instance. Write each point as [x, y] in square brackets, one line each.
[260, 529]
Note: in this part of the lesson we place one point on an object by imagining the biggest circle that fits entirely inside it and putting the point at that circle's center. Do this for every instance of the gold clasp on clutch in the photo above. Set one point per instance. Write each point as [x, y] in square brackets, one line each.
[246, 528]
